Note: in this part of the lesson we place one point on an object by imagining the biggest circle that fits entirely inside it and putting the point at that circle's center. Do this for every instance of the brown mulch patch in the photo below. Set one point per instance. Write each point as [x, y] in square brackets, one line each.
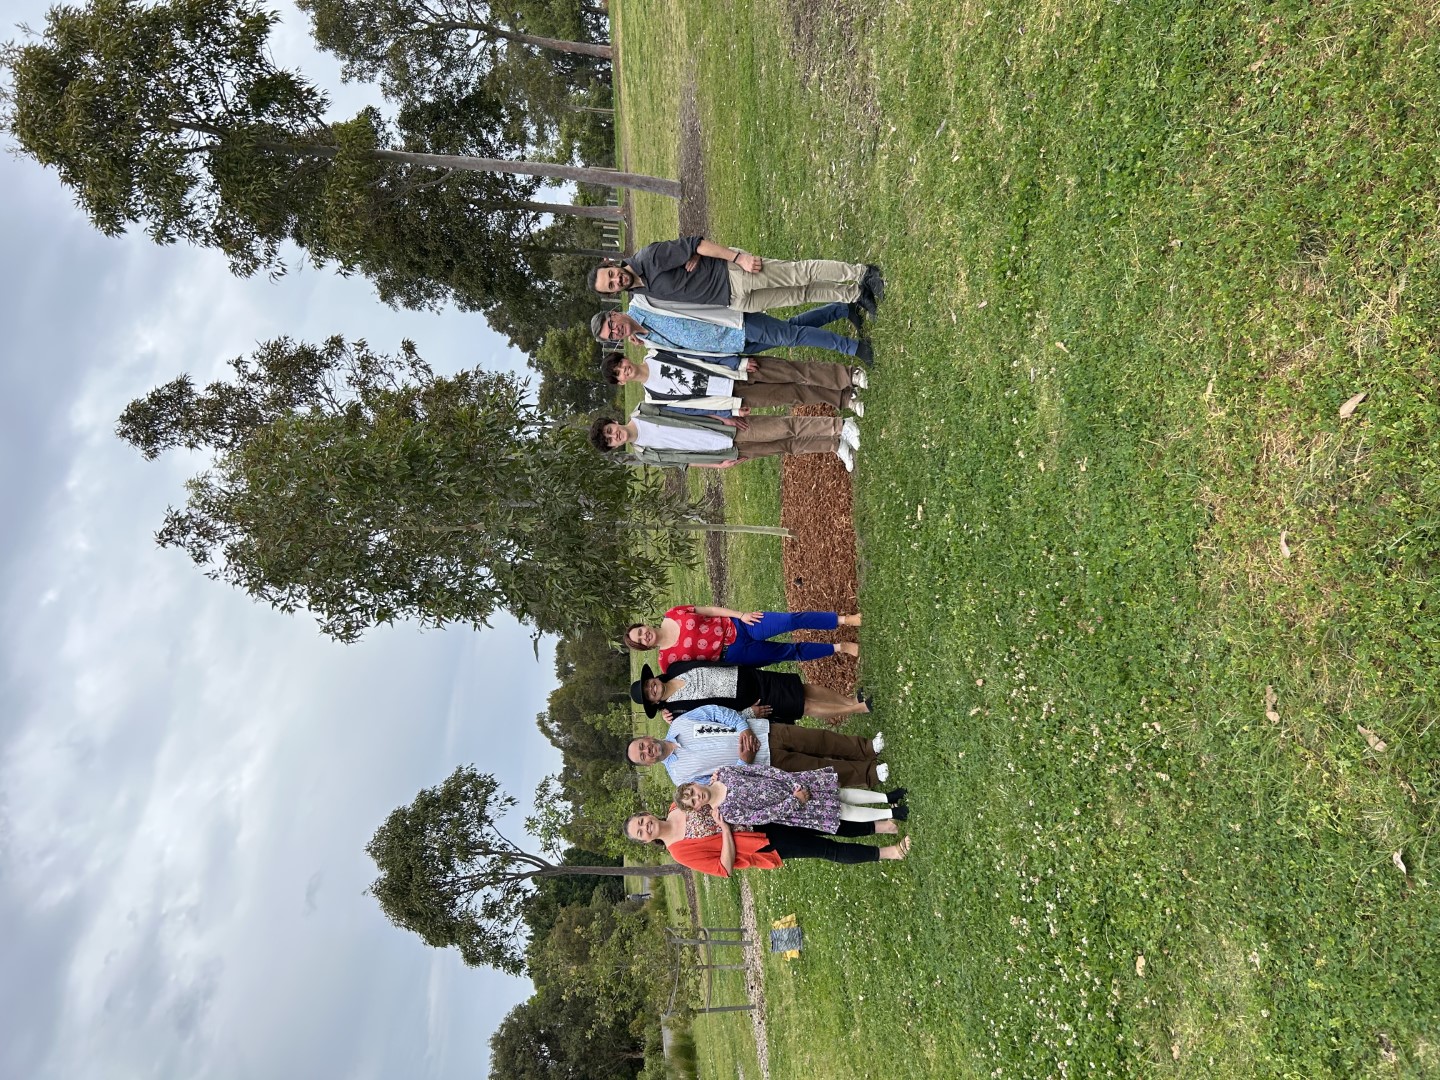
[817, 506]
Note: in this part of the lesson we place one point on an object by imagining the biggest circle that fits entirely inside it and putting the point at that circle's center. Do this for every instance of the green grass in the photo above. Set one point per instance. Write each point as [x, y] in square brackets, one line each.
[1138, 256]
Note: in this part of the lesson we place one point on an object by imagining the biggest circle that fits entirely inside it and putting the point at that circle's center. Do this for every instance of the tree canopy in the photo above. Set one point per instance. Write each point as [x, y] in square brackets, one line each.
[448, 873]
[174, 116]
[552, 1037]
[441, 50]
[364, 489]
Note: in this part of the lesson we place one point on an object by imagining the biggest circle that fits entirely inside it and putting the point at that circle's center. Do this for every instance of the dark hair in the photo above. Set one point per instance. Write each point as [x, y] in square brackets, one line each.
[597, 433]
[610, 367]
[625, 829]
[593, 278]
[625, 637]
[626, 751]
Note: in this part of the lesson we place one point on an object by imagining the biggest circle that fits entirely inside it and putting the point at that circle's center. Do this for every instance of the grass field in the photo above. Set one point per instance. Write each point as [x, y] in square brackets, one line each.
[1153, 630]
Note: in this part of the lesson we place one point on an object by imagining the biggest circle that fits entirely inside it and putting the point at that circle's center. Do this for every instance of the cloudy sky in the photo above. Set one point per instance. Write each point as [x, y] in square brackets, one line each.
[187, 780]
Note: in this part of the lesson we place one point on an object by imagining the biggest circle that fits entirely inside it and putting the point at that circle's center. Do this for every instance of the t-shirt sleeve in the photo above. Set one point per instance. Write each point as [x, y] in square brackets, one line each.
[665, 255]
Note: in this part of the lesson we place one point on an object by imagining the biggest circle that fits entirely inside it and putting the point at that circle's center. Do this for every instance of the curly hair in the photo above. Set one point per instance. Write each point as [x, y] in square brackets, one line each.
[593, 278]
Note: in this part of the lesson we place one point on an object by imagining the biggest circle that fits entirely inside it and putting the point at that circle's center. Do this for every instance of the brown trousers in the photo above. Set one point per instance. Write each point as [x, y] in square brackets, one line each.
[789, 382]
[796, 749]
[767, 435]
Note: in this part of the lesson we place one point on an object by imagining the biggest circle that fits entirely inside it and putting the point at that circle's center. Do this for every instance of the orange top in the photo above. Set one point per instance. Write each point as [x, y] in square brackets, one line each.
[703, 854]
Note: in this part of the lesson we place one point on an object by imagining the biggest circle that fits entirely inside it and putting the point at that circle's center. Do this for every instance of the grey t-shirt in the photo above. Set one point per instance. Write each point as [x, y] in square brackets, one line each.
[662, 267]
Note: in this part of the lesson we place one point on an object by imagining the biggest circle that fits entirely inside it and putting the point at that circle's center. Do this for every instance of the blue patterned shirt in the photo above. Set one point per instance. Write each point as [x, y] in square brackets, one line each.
[709, 737]
[680, 334]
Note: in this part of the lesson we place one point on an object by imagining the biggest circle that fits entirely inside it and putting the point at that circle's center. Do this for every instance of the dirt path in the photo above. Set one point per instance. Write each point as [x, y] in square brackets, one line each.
[755, 975]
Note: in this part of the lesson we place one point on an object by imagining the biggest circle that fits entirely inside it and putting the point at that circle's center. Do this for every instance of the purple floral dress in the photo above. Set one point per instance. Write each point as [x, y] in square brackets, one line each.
[760, 794]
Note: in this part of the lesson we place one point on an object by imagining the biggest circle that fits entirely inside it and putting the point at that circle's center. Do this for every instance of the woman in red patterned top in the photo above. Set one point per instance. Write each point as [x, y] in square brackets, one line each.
[738, 637]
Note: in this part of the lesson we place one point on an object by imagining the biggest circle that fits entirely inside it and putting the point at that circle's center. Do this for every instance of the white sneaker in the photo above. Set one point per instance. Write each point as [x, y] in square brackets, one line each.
[877, 741]
[857, 406]
[850, 433]
[846, 456]
[882, 773]
[858, 378]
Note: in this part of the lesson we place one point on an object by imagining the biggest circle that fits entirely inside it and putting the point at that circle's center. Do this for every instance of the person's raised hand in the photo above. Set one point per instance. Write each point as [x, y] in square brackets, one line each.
[667, 715]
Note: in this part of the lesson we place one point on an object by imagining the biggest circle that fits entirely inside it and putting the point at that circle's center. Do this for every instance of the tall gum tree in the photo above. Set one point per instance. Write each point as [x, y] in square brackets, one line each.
[174, 115]
[449, 874]
[364, 489]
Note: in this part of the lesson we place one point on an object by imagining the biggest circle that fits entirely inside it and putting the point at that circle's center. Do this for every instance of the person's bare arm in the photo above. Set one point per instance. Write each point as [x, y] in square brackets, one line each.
[749, 618]
[727, 845]
[742, 259]
[717, 465]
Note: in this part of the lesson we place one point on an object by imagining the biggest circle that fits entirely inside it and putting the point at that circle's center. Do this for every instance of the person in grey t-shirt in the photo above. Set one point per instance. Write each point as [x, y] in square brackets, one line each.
[696, 271]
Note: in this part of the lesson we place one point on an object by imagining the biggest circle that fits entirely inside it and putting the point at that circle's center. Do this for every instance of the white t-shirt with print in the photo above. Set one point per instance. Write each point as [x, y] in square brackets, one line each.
[666, 379]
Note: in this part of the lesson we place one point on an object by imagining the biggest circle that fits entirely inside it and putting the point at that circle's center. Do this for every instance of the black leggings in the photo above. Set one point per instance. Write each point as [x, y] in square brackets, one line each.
[790, 842]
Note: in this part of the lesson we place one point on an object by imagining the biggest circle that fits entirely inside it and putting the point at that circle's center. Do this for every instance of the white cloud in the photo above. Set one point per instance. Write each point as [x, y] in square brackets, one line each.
[187, 779]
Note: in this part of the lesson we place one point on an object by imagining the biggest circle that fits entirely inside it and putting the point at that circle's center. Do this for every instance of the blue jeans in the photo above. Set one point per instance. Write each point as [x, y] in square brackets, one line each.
[750, 646]
[765, 331]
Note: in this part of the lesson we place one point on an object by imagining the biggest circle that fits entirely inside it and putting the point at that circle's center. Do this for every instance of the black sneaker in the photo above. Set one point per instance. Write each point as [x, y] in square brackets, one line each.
[873, 282]
[856, 314]
[866, 302]
[865, 352]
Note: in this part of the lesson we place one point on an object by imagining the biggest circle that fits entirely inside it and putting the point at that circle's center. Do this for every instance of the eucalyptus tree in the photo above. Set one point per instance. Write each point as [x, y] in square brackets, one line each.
[364, 489]
[439, 50]
[173, 115]
[449, 874]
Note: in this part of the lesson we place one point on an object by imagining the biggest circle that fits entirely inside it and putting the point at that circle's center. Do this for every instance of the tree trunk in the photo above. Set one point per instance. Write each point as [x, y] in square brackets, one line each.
[577, 48]
[607, 213]
[590, 253]
[668, 870]
[709, 527]
[575, 174]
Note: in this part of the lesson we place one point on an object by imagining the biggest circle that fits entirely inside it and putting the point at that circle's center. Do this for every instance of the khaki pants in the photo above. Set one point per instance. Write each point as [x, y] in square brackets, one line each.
[796, 749]
[769, 435]
[790, 382]
[790, 284]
